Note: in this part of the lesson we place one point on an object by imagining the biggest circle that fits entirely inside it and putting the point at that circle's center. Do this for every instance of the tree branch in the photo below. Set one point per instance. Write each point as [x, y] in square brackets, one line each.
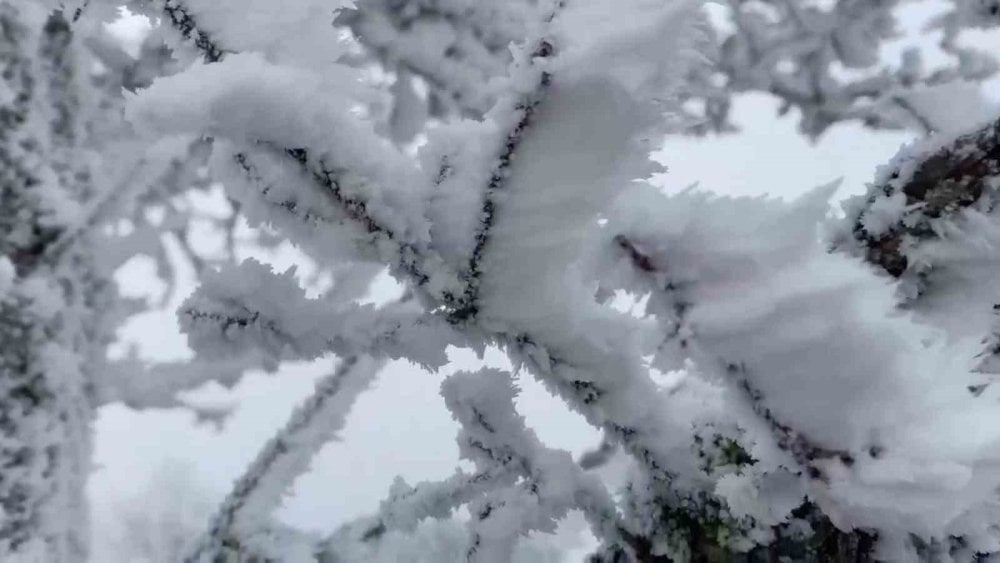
[186, 24]
[524, 108]
[247, 509]
[931, 184]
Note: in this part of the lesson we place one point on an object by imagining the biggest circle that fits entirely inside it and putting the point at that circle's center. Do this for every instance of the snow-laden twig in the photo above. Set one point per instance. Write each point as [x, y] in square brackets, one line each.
[406, 506]
[790, 50]
[247, 307]
[518, 109]
[520, 485]
[186, 24]
[459, 70]
[494, 435]
[247, 509]
[576, 383]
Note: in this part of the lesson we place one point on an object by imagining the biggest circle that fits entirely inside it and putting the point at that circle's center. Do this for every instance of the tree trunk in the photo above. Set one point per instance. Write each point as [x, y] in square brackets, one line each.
[48, 295]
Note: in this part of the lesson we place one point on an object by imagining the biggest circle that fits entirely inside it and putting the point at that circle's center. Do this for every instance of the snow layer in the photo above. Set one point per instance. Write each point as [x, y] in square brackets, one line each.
[818, 361]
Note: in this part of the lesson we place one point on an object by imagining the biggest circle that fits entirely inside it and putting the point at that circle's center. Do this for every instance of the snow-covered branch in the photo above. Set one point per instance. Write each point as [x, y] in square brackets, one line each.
[494, 435]
[406, 506]
[819, 59]
[247, 511]
[610, 387]
[929, 220]
[519, 111]
[249, 308]
[926, 186]
[734, 294]
[185, 23]
[458, 47]
[801, 399]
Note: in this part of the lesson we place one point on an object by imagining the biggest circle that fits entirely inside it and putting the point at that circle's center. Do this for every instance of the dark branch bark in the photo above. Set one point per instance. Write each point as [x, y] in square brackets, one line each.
[186, 24]
[466, 307]
[943, 183]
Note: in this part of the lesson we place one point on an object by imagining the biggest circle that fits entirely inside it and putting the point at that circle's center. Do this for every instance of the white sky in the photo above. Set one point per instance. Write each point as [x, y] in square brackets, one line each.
[401, 427]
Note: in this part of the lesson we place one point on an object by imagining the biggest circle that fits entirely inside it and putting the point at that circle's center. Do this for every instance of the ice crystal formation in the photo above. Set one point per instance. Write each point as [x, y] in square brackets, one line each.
[833, 398]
